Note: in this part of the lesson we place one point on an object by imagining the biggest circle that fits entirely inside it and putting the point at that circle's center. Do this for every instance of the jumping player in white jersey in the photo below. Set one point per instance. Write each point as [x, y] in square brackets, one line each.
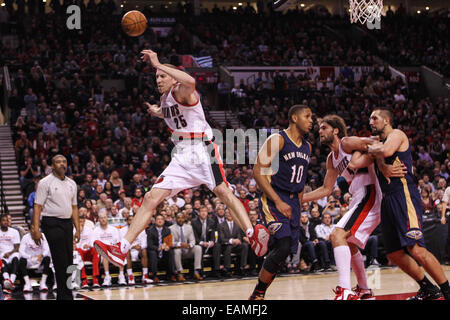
[354, 228]
[191, 165]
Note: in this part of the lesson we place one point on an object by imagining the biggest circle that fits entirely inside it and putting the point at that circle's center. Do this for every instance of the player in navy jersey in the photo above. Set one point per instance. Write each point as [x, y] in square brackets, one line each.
[282, 183]
[401, 210]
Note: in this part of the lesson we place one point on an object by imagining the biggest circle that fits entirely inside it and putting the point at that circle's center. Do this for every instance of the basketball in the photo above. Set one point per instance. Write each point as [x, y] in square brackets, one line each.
[134, 23]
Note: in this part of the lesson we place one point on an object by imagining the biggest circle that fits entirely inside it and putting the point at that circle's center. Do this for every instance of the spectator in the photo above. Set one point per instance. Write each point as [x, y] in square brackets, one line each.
[231, 238]
[308, 240]
[106, 234]
[204, 232]
[179, 202]
[87, 252]
[332, 207]
[34, 256]
[138, 198]
[9, 253]
[159, 248]
[323, 232]
[138, 250]
[185, 247]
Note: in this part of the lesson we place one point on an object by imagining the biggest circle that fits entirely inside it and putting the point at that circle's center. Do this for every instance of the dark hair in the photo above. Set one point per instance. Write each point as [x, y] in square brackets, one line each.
[386, 114]
[295, 109]
[336, 122]
[4, 215]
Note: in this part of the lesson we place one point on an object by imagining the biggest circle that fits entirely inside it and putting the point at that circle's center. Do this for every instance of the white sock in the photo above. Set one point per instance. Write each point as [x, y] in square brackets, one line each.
[144, 271]
[5, 275]
[124, 245]
[107, 274]
[44, 279]
[358, 269]
[342, 255]
[13, 278]
[121, 273]
[249, 232]
[26, 279]
[130, 271]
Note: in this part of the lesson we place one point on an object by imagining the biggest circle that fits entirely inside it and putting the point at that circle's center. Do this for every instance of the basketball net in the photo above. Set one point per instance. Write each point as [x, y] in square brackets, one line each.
[365, 10]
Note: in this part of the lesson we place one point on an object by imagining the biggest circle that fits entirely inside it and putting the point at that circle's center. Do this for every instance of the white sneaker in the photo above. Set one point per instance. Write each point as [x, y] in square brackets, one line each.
[122, 280]
[106, 281]
[27, 288]
[28, 296]
[43, 286]
[8, 285]
[131, 279]
[146, 279]
[55, 286]
[75, 286]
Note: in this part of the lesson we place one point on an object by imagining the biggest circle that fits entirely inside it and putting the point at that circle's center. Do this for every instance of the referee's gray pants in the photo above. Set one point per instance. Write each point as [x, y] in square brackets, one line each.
[59, 234]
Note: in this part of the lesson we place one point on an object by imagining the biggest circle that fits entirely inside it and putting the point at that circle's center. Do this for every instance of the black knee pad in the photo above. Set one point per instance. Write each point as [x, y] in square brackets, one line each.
[279, 253]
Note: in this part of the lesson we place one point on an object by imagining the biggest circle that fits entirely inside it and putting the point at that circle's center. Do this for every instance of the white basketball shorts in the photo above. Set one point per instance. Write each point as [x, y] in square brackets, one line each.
[363, 216]
[195, 162]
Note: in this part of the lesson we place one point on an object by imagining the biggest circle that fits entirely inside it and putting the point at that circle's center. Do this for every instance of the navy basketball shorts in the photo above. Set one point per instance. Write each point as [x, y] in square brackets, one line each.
[401, 219]
[278, 224]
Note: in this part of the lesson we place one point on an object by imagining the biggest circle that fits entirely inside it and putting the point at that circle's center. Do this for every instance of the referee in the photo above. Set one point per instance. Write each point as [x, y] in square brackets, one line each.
[56, 199]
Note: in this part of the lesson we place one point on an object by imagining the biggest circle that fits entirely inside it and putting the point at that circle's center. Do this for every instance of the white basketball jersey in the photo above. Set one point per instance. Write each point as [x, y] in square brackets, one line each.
[185, 120]
[357, 179]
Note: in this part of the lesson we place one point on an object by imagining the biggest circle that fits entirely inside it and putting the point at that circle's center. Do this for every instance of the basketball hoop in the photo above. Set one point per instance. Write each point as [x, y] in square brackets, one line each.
[365, 10]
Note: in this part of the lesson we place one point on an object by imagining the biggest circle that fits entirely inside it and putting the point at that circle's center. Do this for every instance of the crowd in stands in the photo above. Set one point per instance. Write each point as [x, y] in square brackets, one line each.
[116, 151]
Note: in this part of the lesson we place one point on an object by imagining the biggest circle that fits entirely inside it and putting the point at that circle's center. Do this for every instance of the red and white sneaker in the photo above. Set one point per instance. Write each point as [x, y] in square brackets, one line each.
[112, 253]
[364, 294]
[146, 279]
[95, 283]
[84, 284]
[344, 294]
[259, 242]
[131, 279]
[8, 285]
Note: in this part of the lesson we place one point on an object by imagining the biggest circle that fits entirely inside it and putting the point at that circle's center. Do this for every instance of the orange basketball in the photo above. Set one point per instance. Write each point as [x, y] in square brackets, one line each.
[134, 23]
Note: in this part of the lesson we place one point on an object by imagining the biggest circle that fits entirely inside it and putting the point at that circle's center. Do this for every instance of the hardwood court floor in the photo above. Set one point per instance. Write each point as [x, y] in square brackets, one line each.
[390, 281]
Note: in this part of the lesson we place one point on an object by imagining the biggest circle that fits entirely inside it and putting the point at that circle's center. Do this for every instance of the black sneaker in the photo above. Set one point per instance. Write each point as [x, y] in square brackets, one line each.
[256, 296]
[428, 293]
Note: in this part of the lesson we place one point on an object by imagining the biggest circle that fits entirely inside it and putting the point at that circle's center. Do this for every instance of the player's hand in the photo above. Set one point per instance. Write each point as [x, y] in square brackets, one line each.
[40, 257]
[397, 170]
[153, 109]
[137, 247]
[6, 255]
[86, 247]
[76, 236]
[150, 56]
[284, 208]
[443, 220]
[36, 235]
[375, 148]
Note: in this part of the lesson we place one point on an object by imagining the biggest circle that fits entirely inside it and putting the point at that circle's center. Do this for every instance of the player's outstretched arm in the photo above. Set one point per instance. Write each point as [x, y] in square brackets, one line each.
[154, 110]
[185, 91]
[328, 184]
[360, 160]
[353, 143]
[390, 146]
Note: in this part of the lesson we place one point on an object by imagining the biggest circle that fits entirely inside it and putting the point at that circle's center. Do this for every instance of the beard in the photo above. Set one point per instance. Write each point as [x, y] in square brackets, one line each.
[377, 132]
[328, 140]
